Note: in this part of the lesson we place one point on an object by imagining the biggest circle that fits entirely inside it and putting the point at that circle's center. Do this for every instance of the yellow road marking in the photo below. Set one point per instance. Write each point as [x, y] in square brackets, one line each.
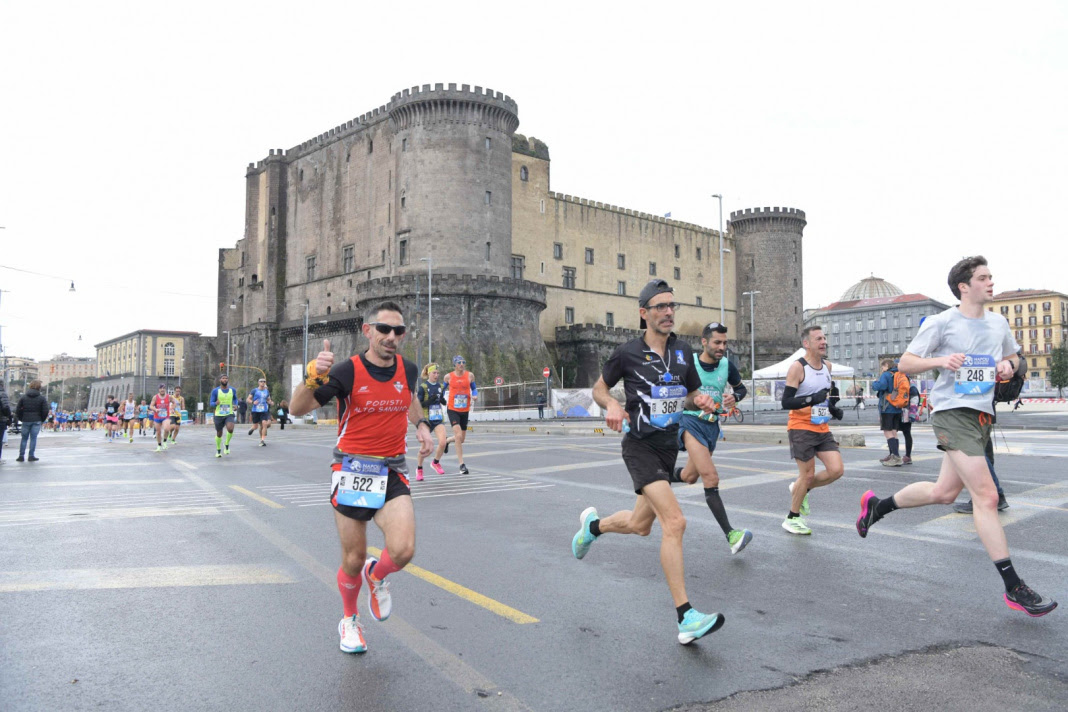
[465, 593]
[258, 498]
[146, 577]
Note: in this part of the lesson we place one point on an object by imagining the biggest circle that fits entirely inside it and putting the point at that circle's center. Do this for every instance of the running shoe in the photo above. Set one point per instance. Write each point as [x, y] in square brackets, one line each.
[263, 443]
[805, 510]
[1003, 503]
[796, 525]
[378, 598]
[438, 468]
[159, 448]
[226, 451]
[463, 469]
[893, 461]
[739, 539]
[582, 541]
[351, 632]
[131, 441]
[885, 459]
[218, 453]
[868, 500]
[251, 430]
[695, 624]
[419, 474]
[164, 444]
[1024, 598]
[906, 460]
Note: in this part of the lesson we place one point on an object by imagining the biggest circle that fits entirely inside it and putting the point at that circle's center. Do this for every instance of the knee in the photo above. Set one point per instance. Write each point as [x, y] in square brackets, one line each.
[352, 562]
[806, 479]
[985, 499]
[674, 525]
[403, 553]
[710, 477]
[836, 470]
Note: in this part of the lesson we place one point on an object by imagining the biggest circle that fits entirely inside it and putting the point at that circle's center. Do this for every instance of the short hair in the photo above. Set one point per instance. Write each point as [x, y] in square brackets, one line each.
[35, 384]
[963, 271]
[808, 330]
[888, 362]
[372, 313]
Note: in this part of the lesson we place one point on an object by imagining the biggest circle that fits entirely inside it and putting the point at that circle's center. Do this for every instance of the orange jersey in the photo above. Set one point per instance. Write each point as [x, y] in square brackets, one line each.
[460, 392]
[813, 381]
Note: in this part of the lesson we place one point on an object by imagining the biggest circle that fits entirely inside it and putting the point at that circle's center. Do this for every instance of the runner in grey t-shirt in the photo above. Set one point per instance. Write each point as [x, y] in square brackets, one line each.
[971, 348]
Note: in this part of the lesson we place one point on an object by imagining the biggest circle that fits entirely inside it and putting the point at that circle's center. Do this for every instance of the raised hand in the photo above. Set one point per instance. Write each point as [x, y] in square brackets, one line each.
[325, 360]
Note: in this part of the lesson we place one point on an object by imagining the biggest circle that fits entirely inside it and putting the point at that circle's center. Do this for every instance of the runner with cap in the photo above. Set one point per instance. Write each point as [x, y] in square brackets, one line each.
[223, 399]
[460, 394]
[161, 410]
[431, 398]
[660, 381]
[375, 403]
[808, 384]
[699, 431]
[259, 399]
[972, 349]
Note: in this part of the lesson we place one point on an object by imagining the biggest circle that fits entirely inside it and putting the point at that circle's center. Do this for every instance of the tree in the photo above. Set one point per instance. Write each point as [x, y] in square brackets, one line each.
[1058, 373]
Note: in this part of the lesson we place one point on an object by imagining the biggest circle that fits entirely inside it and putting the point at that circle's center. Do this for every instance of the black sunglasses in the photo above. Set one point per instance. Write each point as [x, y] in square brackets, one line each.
[386, 328]
[716, 326]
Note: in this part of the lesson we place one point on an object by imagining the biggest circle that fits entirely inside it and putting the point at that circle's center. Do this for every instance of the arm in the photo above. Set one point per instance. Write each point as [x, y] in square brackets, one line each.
[474, 388]
[911, 364]
[790, 399]
[613, 411]
[214, 399]
[302, 401]
[422, 427]
[740, 392]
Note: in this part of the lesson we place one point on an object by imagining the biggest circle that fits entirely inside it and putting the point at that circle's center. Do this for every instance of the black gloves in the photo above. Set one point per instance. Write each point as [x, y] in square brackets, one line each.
[836, 412]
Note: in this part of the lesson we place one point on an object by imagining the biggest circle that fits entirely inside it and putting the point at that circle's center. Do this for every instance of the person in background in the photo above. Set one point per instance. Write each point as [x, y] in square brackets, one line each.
[5, 416]
[541, 406]
[32, 410]
[283, 414]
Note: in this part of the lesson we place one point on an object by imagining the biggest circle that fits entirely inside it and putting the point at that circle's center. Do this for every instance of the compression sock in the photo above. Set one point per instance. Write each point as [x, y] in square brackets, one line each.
[884, 507]
[894, 446]
[718, 511]
[908, 442]
[595, 527]
[1008, 573]
[349, 588]
[229, 437]
[383, 568]
[218, 443]
[681, 610]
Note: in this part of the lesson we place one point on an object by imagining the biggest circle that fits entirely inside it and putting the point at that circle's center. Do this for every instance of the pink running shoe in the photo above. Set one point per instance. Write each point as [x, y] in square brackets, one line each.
[419, 474]
[438, 468]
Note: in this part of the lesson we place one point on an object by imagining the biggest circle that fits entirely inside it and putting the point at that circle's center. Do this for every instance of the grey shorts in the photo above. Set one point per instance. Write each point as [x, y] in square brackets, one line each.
[962, 429]
[804, 444]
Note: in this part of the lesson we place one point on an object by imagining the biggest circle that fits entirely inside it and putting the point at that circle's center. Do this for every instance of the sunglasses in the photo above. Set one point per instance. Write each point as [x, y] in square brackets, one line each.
[665, 306]
[460, 363]
[386, 328]
[716, 326]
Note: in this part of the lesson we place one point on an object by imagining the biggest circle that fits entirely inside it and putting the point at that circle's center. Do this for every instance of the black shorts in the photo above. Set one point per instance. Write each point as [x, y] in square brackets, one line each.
[458, 418]
[260, 417]
[890, 421]
[650, 458]
[222, 420]
[396, 486]
[126, 421]
[174, 420]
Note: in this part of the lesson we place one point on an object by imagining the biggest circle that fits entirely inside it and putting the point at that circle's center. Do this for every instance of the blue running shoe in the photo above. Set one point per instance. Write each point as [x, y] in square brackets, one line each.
[695, 624]
[584, 539]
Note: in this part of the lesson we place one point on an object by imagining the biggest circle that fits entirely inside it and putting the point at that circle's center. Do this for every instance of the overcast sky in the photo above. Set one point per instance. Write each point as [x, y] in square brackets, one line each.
[912, 134]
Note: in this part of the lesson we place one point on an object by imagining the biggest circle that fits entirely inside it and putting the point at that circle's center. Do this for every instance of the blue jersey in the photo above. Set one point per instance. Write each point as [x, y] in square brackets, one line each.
[259, 399]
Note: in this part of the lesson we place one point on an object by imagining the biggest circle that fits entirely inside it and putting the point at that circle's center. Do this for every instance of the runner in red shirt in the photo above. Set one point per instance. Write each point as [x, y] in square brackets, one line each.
[376, 402]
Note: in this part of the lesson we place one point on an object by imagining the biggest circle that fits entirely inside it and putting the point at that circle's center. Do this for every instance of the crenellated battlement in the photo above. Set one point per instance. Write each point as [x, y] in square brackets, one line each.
[630, 213]
[776, 212]
[451, 285]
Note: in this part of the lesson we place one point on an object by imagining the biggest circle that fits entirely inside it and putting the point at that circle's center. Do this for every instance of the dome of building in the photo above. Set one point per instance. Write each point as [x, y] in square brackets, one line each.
[871, 288]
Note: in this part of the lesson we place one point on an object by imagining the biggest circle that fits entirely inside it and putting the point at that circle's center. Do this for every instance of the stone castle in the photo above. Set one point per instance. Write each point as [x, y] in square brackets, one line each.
[435, 194]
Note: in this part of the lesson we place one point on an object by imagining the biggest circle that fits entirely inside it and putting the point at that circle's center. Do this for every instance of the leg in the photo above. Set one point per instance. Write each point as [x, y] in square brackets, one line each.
[942, 491]
[989, 451]
[396, 519]
[633, 521]
[34, 429]
[701, 462]
[833, 468]
[975, 475]
[353, 536]
[458, 437]
[673, 526]
[805, 478]
[906, 430]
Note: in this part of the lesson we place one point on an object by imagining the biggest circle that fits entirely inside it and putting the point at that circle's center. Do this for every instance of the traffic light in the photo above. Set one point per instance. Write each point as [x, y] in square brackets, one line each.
[222, 365]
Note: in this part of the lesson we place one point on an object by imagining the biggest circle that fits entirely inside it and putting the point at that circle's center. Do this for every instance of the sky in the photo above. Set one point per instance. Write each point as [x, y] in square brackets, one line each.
[912, 134]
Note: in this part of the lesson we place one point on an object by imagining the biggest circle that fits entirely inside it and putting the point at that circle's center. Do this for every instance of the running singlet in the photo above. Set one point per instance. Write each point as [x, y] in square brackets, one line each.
[460, 392]
[112, 408]
[160, 403]
[142, 411]
[177, 405]
[375, 420]
[816, 416]
[224, 402]
[128, 411]
[259, 400]
[430, 399]
[712, 384]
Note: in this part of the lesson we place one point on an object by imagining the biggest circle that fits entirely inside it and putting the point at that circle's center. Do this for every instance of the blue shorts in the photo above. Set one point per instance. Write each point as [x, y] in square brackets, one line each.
[705, 431]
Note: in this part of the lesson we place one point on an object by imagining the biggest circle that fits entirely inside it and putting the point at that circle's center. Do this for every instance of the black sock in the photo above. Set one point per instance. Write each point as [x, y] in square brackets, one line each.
[436, 462]
[676, 475]
[595, 527]
[893, 444]
[1008, 574]
[681, 610]
[884, 507]
[716, 505]
[908, 442]
[793, 515]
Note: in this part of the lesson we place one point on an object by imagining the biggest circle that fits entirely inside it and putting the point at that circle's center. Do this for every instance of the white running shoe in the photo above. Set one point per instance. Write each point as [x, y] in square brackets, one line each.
[351, 632]
[378, 598]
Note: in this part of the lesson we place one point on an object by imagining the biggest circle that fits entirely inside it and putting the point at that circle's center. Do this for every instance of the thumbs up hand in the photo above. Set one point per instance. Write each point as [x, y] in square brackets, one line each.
[325, 360]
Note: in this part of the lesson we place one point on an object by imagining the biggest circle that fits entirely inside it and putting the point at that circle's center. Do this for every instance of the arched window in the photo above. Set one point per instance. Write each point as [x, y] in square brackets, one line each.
[168, 348]
[524, 174]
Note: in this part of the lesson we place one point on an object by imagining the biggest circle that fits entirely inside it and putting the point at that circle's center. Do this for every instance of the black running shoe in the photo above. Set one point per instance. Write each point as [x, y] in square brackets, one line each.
[251, 430]
[868, 500]
[963, 507]
[1023, 598]
[446, 451]
[463, 470]
[1002, 502]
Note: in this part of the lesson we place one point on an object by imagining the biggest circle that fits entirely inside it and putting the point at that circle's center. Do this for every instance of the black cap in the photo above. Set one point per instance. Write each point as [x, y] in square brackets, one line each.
[650, 290]
[713, 326]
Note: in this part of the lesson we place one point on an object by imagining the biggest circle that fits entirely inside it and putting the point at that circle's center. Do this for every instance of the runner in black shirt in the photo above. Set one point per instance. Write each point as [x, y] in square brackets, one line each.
[660, 382]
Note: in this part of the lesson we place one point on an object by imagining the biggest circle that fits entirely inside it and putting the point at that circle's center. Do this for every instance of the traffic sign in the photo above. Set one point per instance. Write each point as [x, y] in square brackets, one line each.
[546, 372]
[498, 381]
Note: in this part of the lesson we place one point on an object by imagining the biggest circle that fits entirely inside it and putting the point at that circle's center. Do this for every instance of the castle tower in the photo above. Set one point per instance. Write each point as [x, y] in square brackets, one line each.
[453, 152]
[768, 243]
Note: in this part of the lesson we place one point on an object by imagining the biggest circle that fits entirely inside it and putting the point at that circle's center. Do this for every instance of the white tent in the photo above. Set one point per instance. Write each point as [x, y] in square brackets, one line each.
[778, 371]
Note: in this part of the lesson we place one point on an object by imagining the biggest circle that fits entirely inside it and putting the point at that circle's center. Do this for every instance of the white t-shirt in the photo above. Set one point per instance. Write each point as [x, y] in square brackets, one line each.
[985, 341]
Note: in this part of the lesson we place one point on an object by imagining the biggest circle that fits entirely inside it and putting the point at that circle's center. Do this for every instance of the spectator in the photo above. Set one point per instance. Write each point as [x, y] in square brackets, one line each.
[891, 400]
[32, 411]
[242, 407]
[283, 414]
[541, 406]
[5, 415]
[834, 395]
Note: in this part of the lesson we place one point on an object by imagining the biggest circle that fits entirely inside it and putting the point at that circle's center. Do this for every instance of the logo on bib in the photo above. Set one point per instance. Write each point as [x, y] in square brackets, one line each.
[680, 358]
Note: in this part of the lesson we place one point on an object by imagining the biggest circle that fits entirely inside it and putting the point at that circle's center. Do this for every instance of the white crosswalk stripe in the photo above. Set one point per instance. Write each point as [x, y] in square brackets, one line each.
[450, 485]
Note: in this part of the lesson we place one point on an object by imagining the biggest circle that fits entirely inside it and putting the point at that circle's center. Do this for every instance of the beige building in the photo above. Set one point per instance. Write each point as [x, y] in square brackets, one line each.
[1039, 321]
[20, 369]
[62, 366]
[140, 361]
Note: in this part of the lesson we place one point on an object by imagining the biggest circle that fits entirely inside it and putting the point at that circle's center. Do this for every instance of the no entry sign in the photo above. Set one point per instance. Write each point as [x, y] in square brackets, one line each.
[546, 372]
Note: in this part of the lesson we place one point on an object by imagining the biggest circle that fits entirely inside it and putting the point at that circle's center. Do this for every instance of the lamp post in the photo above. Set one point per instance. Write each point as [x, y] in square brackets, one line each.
[307, 308]
[429, 307]
[752, 347]
[721, 292]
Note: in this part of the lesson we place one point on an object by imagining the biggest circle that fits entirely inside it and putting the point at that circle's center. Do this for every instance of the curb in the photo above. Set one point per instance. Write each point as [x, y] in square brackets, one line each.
[770, 437]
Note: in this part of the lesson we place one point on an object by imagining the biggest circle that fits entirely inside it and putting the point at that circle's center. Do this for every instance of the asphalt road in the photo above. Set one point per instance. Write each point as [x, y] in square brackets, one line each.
[131, 579]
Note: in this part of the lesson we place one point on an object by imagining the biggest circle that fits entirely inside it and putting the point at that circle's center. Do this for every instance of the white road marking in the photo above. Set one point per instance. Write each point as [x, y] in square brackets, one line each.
[148, 577]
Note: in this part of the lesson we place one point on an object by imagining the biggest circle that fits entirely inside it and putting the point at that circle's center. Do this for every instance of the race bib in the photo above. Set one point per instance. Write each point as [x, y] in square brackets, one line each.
[976, 376]
[459, 401]
[259, 408]
[129, 411]
[666, 405]
[222, 410]
[821, 413]
[361, 481]
[435, 412]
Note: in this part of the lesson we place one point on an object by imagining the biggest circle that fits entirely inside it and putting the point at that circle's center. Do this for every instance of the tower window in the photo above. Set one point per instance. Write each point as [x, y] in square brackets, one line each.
[310, 265]
[678, 273]
[543, 206]
[589, 255]
[371, 146]
[487, 250]
[621, 288]
[700, 302]
[404, 202]
[517, 266]
[404, 145]
[699, 253]
[402, 251]
[621, 261]
[609, 319]
[652, 269]
[569, 315]
[558, 251]
[488, 143]
[524, 174]
[569, 277]
[677, 252]
[489, 197]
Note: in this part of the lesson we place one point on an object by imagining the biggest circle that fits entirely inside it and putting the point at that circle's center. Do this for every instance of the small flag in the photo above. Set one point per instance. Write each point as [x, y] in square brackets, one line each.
[667, 215]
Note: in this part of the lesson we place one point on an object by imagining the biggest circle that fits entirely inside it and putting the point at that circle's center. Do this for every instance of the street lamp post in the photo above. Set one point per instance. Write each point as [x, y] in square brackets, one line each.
[429, 307]
[722, 318]
[307, 308]
[752, 347]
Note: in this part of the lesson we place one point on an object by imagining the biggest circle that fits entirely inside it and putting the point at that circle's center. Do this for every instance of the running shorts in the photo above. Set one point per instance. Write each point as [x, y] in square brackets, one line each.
[890, 421]
[457, 417]
[396, 486]
[705, 431]
[804, 444]
[650, 458]
[260, 417]
[963, 429]
[222, 420]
